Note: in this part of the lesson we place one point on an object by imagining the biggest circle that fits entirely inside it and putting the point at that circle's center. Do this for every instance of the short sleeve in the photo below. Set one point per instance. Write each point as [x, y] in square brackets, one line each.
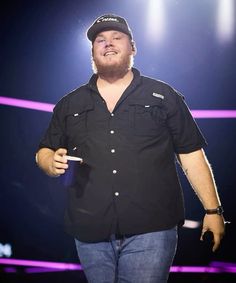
[184, 130]
[54, 136]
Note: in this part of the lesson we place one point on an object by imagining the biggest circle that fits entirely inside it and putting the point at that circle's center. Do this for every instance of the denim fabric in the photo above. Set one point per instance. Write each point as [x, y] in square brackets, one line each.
[144, 258]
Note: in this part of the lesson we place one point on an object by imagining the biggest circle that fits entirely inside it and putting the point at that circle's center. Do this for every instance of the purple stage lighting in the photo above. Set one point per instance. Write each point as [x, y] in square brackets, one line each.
[49, 108]
[33, 266]
[26, 104]
[40, 264]
[213, 113]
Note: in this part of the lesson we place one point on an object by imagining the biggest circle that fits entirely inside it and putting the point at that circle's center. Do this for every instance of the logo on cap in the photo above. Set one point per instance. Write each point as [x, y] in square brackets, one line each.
[102, 19]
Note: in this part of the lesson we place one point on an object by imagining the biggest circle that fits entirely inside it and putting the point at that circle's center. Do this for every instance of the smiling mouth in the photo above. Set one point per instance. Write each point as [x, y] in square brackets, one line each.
[110, 53]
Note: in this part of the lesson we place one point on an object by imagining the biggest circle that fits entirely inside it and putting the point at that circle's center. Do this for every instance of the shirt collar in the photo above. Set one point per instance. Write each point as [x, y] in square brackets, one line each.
[92, 84]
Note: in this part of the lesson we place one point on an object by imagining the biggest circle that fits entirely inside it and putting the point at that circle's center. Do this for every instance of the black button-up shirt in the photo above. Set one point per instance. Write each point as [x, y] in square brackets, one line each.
[128, 181]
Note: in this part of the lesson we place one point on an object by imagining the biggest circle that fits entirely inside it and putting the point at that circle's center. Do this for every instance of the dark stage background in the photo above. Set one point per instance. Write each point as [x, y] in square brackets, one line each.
[45, 54]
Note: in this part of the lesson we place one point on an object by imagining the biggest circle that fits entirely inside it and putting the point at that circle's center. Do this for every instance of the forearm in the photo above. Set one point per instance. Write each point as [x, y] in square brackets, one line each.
[199, 173]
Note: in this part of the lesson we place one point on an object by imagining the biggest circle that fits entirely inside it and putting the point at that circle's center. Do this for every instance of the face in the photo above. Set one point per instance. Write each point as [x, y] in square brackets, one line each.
[112, 52]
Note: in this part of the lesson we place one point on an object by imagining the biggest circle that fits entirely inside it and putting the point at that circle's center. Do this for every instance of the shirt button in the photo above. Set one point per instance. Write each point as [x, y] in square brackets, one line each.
[112, 132]
[113, 150]
[116, 194]
[114, 171]
[112, 114]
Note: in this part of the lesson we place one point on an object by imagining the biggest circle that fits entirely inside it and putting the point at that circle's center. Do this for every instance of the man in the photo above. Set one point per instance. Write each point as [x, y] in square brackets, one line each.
[125, 201]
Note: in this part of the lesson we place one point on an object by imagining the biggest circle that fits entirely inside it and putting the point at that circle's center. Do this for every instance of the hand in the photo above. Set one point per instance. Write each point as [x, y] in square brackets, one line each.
[59, 162]
[216, 224]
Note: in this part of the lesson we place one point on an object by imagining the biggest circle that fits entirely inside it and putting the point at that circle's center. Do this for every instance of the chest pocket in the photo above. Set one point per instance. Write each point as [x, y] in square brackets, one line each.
[77, 124]
[147, 118]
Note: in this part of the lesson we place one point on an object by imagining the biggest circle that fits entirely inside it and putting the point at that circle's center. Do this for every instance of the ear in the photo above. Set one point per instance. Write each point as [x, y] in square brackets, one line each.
[133, 46]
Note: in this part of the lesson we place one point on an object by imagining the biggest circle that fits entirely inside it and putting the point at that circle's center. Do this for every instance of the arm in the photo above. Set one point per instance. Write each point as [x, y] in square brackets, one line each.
[200, 176]
[53, 163]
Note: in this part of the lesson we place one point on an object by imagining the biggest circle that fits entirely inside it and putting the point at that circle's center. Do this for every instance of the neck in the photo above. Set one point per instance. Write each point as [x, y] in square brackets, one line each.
[115, 78]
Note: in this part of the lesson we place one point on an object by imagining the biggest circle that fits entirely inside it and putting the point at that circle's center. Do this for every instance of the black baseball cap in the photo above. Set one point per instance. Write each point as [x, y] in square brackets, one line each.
[108, 22]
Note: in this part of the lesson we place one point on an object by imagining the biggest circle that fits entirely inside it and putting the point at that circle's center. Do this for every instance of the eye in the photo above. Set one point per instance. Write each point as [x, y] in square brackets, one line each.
[100, 40]
[117, 38]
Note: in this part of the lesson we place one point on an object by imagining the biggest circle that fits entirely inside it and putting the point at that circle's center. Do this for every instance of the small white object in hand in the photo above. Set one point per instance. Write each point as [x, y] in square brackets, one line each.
[73, 158]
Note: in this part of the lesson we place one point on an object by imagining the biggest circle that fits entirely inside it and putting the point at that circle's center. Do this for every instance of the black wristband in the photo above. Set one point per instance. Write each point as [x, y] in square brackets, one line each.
[219, 210]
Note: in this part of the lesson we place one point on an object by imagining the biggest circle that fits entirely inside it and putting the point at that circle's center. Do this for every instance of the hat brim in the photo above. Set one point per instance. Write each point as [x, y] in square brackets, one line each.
[94, 30]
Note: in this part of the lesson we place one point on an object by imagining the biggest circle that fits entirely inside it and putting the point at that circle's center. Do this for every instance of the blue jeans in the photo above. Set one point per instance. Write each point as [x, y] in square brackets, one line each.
[144, 258]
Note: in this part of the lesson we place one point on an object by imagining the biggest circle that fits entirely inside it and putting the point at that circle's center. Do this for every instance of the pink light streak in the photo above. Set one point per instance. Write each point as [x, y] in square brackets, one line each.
[46, 266]
[213, 113]
[195, 269]
[47, 107]
[41, 106]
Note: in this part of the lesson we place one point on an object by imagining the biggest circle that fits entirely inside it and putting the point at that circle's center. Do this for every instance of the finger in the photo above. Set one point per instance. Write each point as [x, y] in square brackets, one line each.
[60, 171]
[61, 151]
[60, 159]
[60, 164]
[204, 230]
[59, 155]
[216, 241]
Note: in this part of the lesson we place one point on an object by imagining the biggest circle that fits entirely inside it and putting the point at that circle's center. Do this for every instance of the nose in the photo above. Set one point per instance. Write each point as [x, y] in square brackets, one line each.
[108, 43]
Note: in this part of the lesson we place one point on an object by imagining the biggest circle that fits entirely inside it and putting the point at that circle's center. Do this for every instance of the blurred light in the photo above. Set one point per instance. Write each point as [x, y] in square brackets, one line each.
[156, 20]
[213, 113]
[223, 264]
[10, 269]
[41, 270]
[215, 267]
[45, 264]
[225, 20]
[5, 250]
[195, 269]
[47, 107]
[26, 104]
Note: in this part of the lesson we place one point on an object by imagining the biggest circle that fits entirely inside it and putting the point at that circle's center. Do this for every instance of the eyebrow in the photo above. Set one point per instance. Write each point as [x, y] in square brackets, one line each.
[114, 33]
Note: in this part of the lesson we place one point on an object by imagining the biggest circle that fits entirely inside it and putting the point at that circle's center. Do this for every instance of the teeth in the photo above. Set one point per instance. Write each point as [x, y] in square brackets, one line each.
[110, 53]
